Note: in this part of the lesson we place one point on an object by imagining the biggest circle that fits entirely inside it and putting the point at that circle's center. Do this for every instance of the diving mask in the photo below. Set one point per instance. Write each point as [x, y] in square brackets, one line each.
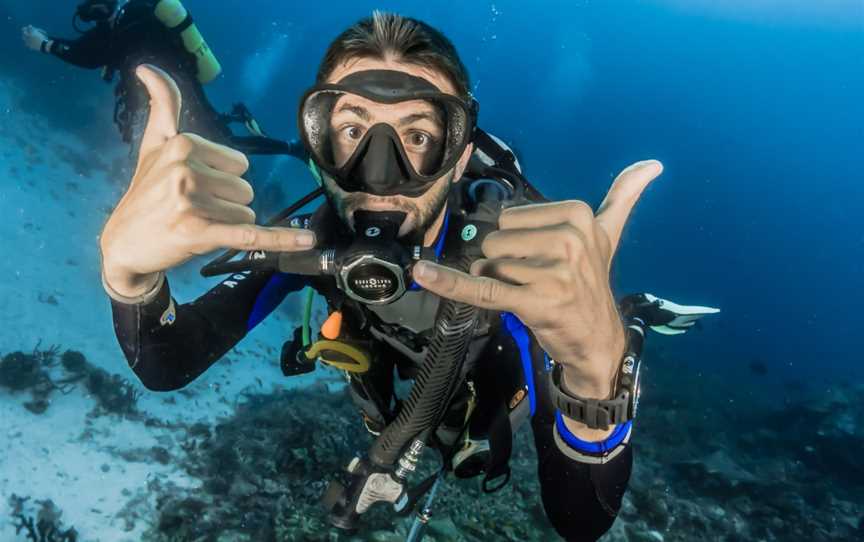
[385, 132]
[96, 10]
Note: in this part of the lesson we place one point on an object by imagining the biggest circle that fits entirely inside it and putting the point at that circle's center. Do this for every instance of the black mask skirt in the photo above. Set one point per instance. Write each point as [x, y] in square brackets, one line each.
[96, 10]
[403, 155]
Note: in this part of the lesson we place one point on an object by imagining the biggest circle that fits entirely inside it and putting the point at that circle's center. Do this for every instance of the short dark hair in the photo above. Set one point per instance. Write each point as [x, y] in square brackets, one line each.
[408, 40]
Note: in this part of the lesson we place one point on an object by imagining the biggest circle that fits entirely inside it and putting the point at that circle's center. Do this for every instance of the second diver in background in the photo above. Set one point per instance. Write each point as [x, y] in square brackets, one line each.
[162, 33]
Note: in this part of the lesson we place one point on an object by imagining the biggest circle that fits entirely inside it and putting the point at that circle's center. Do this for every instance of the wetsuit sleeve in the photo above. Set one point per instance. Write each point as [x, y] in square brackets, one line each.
[581, 488]
[91, 50]
[168, 345]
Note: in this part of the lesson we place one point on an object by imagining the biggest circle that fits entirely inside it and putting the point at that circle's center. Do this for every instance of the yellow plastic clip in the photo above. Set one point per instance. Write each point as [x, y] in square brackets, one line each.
[339, 355]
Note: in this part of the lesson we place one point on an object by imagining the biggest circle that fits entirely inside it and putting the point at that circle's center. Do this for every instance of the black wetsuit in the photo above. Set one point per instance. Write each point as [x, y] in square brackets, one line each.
[135, 36]
[168, 345]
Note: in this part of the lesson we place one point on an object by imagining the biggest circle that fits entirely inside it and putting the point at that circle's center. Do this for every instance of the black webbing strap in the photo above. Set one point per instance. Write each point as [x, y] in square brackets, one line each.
[184, 24]
[497, 467]
[502, 157]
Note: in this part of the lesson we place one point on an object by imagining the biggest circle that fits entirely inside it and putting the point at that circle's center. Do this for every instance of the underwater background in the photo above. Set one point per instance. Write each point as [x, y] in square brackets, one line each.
[750, 428]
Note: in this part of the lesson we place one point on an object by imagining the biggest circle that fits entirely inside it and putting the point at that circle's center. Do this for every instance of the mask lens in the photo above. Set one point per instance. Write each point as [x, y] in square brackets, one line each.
[428, 133]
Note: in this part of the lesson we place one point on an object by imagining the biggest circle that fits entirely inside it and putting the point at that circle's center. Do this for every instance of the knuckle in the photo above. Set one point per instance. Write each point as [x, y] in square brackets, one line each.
[504, 218]
[248, 191]
[183, 205]
[487, 245]
[562, 273]
[573, 241]
[510, 215]
[180, 147]
[248, 236]
[578, 212]
[477, 267]
[190, 227]
[244, 162]
[574, 236]
[183, 178]
[488, 291]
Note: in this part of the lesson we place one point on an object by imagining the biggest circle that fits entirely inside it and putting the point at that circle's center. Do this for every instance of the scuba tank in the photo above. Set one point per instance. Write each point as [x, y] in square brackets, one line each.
[176, 18]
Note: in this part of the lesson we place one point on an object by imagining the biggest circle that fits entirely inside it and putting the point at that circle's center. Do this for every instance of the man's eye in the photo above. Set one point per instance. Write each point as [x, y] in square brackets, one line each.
[418, 139]
[352, 132]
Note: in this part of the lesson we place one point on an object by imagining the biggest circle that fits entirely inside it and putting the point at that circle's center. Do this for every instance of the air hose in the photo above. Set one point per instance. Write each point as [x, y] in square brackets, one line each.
[307, 317]
[436, 380]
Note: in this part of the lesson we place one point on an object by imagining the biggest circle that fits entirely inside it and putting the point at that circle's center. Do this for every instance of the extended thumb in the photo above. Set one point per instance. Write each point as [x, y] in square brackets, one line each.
[165, 102]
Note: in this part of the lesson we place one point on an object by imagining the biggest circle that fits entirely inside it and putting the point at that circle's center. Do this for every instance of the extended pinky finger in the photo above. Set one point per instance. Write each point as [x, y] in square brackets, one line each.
[252, 237]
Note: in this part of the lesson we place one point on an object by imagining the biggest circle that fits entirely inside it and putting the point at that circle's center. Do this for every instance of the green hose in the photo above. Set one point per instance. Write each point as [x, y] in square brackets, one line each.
[307, 316]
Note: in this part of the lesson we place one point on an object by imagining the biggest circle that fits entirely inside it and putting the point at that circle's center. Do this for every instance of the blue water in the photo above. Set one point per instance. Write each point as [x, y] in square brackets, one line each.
[754, 107]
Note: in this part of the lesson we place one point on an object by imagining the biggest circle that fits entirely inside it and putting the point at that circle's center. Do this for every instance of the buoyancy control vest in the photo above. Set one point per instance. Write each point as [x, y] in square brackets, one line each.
[444, 351]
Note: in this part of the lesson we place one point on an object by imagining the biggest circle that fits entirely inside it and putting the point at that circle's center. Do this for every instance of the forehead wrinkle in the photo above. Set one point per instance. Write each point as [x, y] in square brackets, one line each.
[419, 116]
[358, 110]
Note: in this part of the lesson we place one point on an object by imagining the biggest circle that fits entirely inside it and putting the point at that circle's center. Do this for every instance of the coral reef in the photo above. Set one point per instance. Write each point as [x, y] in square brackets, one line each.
[263, 472]
[45, 526]
[113, 393]
[791, 473]
[787, 473]
[33, 372]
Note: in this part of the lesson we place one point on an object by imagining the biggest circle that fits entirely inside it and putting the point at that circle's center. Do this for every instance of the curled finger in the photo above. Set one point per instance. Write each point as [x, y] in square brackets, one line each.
[516, 271]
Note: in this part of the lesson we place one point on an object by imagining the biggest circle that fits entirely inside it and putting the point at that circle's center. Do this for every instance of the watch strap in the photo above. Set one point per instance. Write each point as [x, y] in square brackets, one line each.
[594, 413]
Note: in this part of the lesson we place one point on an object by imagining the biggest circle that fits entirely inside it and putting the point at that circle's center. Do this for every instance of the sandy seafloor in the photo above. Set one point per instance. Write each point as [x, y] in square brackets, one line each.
[731, 470]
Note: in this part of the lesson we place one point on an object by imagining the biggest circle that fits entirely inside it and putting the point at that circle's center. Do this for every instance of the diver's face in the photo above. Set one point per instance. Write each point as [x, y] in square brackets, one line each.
[421, 131]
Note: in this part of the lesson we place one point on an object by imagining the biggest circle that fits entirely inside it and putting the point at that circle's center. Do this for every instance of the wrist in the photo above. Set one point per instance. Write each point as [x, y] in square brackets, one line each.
[131, 288]
[590, 404]
[600, 388]
[599, 385]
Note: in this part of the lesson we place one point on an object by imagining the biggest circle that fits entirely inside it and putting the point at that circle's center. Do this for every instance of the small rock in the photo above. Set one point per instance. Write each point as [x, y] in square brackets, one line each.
[160, 455]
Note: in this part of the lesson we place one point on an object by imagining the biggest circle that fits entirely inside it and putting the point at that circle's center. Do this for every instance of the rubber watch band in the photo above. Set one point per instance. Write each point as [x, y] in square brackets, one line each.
[594, 413]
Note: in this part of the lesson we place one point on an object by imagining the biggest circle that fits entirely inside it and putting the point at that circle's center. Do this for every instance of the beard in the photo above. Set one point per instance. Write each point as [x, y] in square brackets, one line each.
[420, 212]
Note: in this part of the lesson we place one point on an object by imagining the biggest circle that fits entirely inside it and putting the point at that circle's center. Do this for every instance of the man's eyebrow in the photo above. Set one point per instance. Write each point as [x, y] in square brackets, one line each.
[361, 112]
[419, 116]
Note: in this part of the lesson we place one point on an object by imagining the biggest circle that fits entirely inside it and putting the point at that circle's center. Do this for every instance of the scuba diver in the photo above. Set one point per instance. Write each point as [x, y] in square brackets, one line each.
[440, 263]
[159, 32]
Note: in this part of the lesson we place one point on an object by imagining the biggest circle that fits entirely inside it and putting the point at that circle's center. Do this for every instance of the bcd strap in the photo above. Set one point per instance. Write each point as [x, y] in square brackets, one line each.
[502, 157]
[184, 24]
[497, 467]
